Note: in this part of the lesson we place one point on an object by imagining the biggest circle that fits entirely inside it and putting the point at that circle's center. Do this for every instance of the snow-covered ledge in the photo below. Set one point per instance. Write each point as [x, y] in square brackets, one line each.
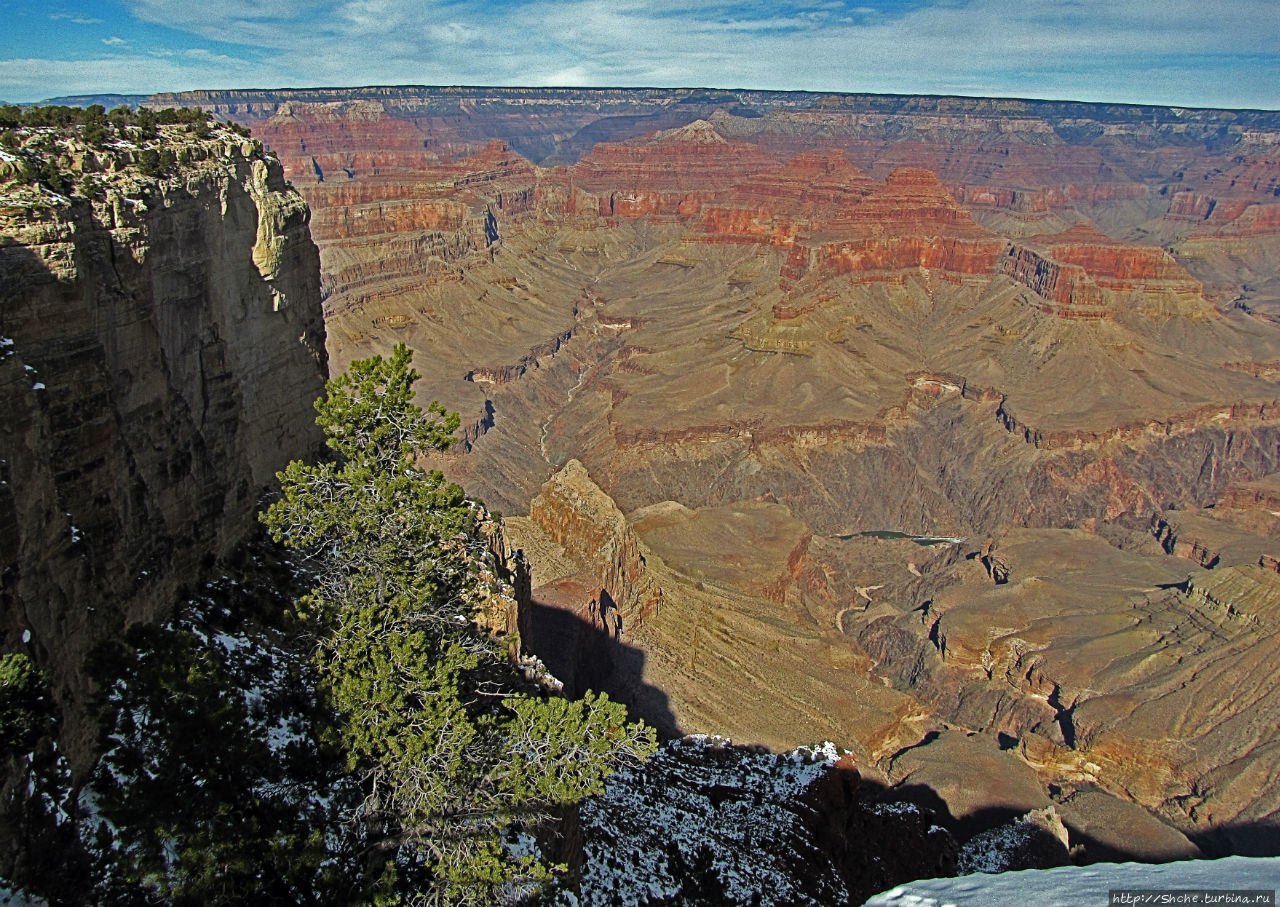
[1086, 886]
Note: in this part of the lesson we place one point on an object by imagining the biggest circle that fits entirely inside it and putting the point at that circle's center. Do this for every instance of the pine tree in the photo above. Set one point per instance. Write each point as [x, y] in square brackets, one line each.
[452, 757]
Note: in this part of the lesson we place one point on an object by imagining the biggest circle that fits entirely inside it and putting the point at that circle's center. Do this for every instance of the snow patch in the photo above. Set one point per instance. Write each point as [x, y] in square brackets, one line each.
[897, 808]
[1071, 886]
[16, 897]
[991, 850]
[704, 812]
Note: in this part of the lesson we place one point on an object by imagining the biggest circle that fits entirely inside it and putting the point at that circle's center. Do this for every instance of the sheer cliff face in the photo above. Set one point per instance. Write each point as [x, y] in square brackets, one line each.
[162, 346]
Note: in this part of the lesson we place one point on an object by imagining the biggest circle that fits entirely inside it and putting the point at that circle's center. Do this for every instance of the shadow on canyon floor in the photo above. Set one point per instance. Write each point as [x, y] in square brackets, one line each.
[585, 655]
[1244, 839]
[1039, 850]
[589, 655]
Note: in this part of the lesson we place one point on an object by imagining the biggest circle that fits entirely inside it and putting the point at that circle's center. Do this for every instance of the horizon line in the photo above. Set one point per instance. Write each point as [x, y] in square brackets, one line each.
[654, 88]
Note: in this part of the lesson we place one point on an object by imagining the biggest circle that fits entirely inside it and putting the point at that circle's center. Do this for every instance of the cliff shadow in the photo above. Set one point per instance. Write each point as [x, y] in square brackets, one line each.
[583, 650]
[589, 653]
[1136, 845]
[1244, 839]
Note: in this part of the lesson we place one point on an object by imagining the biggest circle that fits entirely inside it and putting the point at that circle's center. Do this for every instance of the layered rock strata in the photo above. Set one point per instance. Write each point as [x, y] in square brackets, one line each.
[582, 519]
[162, 345]
[772, 327]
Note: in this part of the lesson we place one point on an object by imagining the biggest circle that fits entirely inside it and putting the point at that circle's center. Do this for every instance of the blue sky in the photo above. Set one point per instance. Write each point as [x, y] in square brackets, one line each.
[1176, 52]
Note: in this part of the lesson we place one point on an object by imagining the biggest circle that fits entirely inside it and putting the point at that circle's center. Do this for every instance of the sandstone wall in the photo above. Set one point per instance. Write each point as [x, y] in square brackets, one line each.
[162, 346]
[574, 512]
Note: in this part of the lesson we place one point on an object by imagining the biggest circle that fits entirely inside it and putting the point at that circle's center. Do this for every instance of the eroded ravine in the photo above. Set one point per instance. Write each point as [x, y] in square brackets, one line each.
[800, 337]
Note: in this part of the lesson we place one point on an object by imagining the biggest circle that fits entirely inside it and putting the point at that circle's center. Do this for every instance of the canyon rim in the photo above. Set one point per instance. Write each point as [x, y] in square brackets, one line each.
[945, 429]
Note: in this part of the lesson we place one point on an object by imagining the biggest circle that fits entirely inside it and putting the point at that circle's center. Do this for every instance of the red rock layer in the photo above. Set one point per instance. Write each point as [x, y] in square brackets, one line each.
[578, 515]
[673, 173]
[1027, 157]
[909, 221]
[1024, 165]
[991, 149]
[1041, 200]
[836, 221]
[1254, 220]
[812, 183]
[1104, 257]
[343, 141]
[440, 197]
[1251, 496]
[1070, 269]
[832, 217]
[380, 234]
[1066, 286]
[1230, 194]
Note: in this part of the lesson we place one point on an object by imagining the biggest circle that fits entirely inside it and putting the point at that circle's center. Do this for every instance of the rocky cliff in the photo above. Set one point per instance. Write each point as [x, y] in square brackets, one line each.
[162, 346]
[585, 522]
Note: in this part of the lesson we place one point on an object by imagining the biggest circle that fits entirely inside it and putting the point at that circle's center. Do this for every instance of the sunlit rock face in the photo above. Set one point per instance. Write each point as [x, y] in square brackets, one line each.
[771, 330]
[162, 346]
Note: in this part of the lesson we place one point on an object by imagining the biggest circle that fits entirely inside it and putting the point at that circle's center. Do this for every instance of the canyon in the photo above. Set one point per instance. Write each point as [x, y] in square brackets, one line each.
[712, 349]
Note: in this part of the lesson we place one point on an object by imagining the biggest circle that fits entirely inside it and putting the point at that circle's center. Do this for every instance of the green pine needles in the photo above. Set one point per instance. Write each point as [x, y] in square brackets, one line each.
[456, 763]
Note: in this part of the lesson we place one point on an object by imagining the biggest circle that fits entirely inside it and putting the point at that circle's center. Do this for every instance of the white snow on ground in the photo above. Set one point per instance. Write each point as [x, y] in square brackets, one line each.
[992, 850]
[897, 808]
[703, 808]
[261, 669]
[1086, 886]
[13, 897]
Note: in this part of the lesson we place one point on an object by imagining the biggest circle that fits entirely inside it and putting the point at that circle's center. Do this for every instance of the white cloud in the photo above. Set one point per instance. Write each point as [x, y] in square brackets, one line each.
[454, 33]
[572, 76]
[1136, 50]
[37, 78]
[114, 41]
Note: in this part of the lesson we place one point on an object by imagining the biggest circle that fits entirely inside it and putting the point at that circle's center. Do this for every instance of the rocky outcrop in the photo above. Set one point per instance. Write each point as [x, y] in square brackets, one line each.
[707, 822]
[162, 345]
[391, 231]
[671, 174]
[344, 140]
[1038, 840]
[1263, 494]
[1105, 682]
[1082, 274]
[1048, 198]
[1067, 287]
[587, 523]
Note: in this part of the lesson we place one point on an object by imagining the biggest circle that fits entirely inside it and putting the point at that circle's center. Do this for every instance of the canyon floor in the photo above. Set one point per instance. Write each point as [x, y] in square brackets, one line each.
[945, 429]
